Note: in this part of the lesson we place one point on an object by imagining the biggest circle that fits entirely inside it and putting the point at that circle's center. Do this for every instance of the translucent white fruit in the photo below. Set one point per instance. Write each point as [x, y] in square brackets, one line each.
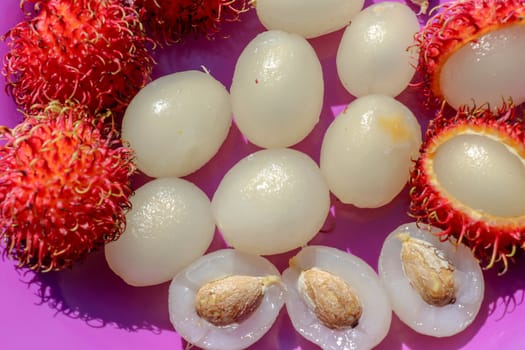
[487, 70]
[374, 322]
[169, 225]
[271, 202]
[482, 173]
[367, 150]
[309, 18]
[437, 321]
[373, 56]
[177, 123]
[277, 89]
[213, 266]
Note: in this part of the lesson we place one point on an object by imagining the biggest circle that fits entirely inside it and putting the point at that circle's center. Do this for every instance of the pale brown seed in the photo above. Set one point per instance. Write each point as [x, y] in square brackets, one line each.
[428, 271]
[334, 302]
[231, 299]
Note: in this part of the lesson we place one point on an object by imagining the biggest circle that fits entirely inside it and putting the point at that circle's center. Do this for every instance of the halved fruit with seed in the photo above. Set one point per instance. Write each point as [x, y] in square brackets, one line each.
[225, 300]
[470, 181]
[335, 299]
[435, 287]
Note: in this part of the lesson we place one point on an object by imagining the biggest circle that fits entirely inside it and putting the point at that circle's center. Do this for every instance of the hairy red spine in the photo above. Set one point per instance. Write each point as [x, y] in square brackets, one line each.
[170, 21]
[64, 186]
[94, 52]
[454, 25]
[492, 239]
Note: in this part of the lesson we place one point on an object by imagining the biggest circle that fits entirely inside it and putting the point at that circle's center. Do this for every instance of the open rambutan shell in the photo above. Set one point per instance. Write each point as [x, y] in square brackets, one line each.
[469, 181]
[93, 52]
[170, 21]
[64, 186]
[471, 53]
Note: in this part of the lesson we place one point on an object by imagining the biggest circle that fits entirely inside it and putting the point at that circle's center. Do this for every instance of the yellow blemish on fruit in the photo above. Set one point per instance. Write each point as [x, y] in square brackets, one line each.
[395, 126]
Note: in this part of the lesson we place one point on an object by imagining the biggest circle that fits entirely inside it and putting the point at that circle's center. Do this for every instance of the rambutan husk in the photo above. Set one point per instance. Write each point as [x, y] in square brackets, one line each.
[454, 25]
[93, 52]
[64, 186]
[423, 6]
[171, 21]
[493, 239]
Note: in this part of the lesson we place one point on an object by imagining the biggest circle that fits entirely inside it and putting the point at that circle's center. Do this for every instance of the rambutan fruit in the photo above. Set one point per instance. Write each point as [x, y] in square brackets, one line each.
[93, 52]
[469, 181]
[171, 20]
[64, 186]
[472, 53]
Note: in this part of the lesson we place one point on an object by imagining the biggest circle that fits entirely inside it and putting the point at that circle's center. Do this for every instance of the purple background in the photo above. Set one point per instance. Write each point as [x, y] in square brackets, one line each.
[90, 308]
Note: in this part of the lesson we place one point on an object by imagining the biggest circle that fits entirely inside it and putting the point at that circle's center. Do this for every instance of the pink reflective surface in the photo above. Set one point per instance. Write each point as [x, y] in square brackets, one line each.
[90, 308]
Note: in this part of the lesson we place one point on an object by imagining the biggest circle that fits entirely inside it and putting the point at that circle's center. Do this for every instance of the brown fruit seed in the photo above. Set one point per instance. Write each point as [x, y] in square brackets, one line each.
[334, 302]
[428, 271]
[231, 299]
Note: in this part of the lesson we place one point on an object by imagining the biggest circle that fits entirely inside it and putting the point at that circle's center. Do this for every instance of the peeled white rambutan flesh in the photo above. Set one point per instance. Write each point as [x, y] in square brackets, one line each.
[277, 89]
[409, 305]
[308, 18]
[486, 70]
[215, 266]
[169, 226]
[482, 173]
[177, 123]
[374, 321]
[367, 151]
[270, 202]
[373, 56]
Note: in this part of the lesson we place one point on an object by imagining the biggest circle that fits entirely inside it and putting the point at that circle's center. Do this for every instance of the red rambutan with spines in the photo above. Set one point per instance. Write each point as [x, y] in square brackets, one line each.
[31, 7]
[471, 53]
[93, 52]
[64, 186]
[470, 181]
[170, 21]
